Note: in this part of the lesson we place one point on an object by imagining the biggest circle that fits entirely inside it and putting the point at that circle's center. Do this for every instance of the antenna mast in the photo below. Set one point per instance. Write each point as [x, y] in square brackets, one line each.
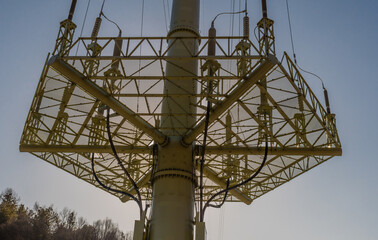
[173, 183]
[204, 119]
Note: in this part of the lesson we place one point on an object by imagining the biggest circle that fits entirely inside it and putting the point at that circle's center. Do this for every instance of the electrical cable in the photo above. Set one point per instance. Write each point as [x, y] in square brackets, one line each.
[82, 27]
[291, 32]
[116, 155]
[102, 6]
[224, 13]
[241, 183]
[119, 29]
[202, 161]
[103, 14]
[232, 19]
[293, 49]
[207, 117]
[139, 201]
[112, 189]
[239, 25]
[142, 21]
[109, 188]
[140, 54]
[165, 16]
[224, 198]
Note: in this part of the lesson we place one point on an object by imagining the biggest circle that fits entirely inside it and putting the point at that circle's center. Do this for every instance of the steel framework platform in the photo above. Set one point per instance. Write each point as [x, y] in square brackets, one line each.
[255, 95]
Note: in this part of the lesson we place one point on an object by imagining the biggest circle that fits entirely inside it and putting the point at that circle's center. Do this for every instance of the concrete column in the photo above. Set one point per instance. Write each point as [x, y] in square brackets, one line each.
[173, 179]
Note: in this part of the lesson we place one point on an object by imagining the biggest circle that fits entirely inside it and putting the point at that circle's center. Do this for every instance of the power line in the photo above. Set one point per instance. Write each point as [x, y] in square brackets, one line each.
[293, 49]
[82, 26]
[165, 16]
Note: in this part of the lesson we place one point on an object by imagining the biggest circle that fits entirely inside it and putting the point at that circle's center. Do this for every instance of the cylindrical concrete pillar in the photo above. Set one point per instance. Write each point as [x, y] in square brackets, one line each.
[173, 179]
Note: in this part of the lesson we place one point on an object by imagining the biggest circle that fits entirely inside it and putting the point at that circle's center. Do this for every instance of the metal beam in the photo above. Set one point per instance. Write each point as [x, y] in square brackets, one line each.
[213, 176]
[99, 93]
[82, 149]
[234, 150]
[266, 65]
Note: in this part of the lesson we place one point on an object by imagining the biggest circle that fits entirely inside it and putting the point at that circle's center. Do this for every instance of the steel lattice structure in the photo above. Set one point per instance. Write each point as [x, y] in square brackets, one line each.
[255, 95]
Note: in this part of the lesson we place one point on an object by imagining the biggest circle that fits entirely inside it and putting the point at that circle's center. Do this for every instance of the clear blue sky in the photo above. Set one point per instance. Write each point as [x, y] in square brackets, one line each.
[335, 39]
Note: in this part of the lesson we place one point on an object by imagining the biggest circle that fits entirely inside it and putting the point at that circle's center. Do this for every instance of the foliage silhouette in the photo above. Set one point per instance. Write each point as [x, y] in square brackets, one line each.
[17, 222]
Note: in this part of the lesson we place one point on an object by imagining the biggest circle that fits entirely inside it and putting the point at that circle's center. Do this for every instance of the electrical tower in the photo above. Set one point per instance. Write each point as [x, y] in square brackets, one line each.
[197, 120]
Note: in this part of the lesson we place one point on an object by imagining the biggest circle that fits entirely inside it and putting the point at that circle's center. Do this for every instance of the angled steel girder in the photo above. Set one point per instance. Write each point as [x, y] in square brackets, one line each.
[234, 150]
[211, 150]
[96, 91]
[83, 148]
[266, 65]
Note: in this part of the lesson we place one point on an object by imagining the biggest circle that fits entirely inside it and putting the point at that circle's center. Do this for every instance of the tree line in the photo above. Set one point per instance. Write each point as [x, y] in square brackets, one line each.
[18, 222]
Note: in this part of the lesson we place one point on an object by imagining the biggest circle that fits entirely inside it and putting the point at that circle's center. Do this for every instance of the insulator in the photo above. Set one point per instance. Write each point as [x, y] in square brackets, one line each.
[72, 9]
[96, 27]
[327, 101]
[300, 103]
[117, 47]
[264, 8]
[212, 41]
[246, 26]
[117, 51]
[228, 129]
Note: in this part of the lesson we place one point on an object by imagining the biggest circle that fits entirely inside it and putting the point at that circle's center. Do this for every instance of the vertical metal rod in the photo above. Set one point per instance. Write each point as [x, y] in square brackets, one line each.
[264, 8]
[327, 101]
[72, 9]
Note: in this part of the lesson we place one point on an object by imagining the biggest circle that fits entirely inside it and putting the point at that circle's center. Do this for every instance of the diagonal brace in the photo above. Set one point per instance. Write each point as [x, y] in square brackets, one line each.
[266, 65]
[93, 89]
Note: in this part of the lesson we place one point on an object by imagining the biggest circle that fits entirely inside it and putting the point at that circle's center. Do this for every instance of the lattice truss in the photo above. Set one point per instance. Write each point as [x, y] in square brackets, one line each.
[253, 98]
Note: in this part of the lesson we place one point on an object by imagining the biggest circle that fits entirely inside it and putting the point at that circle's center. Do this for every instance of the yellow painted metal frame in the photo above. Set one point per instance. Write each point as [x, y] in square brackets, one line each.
[64, 124]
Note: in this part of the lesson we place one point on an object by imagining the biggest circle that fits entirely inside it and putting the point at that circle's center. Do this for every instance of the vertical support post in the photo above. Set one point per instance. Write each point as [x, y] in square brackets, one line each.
[173, 180]
[266, 33]
[66, 33]
[264, 8]
[72, 10]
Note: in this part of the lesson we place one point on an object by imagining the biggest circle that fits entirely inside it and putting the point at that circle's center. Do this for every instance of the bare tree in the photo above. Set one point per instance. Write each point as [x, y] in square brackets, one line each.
[44, 223]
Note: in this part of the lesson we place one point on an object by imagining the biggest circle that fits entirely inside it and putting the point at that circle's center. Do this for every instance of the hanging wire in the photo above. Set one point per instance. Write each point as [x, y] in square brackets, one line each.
[142, 21]
[224, 13]
[169, 10]
[202, 17]
[165, 16]
[140, 50]
[239, 26]
[241, 183]
[232, 20]
[291, 32]
[293, 49]
[82, 28]
[221, 224]
[103, 14]
[119, 29]
[224, 197]
[113, 189]
[202, 161]
[102, 6]
[139, 199]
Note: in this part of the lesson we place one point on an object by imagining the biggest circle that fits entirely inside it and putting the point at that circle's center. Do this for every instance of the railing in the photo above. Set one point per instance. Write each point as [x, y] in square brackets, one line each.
[314, 101]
